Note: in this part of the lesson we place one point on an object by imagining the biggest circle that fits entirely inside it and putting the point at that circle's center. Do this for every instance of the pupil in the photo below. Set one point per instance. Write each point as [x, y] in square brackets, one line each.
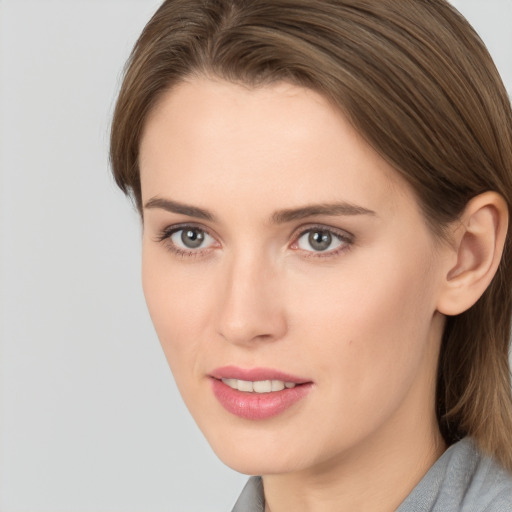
[320, 240]
[192, 238]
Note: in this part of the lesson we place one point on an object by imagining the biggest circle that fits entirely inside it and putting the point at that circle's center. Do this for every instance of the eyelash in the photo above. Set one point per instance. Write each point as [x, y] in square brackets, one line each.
[346, 239]
[166, 234]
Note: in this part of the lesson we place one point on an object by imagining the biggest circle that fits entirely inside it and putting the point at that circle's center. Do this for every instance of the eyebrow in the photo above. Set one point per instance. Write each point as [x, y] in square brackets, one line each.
[329, 209]
[180, 208]
[278, 217]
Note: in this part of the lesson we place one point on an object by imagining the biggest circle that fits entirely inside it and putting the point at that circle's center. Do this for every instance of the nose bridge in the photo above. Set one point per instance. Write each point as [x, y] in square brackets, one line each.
[251, 307]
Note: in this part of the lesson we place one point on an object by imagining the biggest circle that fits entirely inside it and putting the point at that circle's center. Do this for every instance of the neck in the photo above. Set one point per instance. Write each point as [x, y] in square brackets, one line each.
[374, 477]
[378, 473]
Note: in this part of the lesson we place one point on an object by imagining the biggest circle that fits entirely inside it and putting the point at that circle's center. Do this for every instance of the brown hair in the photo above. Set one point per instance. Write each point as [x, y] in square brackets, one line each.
[418, 84]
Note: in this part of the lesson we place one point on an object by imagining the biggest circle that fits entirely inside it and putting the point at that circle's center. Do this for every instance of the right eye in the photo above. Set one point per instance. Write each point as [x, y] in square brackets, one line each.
[191, 238]
[187, 240]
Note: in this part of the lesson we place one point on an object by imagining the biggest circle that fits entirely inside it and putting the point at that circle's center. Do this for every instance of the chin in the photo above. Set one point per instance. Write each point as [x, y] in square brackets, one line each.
[256, 462]
[257, 451]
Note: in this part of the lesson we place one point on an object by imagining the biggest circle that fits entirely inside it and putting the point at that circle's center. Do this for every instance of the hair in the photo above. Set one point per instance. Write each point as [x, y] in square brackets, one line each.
[418, 84]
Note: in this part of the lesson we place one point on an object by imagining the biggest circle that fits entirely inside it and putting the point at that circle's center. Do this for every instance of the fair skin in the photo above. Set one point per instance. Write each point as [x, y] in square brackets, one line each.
[359, 316]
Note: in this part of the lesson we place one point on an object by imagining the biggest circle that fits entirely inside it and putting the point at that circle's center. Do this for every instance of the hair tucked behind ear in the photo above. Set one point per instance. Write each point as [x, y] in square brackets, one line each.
[417, 82]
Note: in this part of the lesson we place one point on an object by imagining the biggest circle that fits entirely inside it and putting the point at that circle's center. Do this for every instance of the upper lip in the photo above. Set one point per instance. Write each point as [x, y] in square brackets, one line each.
[255, 374]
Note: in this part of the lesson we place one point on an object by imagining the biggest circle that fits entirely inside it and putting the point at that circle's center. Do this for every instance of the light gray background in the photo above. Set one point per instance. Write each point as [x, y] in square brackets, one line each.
[90, 419]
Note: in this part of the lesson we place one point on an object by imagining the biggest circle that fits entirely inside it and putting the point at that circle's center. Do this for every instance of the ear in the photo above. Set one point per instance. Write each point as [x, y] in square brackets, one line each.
[478, 239]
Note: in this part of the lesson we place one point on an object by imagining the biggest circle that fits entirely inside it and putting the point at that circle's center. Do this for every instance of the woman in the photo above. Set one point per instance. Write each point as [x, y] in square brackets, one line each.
[325, 190]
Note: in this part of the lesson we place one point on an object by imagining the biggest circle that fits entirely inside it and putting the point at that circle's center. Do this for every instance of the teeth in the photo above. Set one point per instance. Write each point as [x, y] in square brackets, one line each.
[262, 386]
[232, 383]
[245, 385]
[278, 385]
[259, 386]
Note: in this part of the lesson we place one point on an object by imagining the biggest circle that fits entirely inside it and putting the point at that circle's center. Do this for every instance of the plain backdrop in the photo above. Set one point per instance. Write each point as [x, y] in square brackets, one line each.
[90, 419]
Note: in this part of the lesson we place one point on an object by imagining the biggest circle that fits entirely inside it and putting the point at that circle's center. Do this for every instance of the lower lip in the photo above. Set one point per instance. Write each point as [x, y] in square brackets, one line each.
[258, 406]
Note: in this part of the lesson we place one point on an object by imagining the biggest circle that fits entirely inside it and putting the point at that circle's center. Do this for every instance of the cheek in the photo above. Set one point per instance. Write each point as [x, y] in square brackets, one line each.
[179, 305]
[370, 320]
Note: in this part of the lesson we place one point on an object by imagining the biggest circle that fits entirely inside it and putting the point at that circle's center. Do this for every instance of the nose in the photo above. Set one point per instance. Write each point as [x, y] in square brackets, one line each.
[252, 306]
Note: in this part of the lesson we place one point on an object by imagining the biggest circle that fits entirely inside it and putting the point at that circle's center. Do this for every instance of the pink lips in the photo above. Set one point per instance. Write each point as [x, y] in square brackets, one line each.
[257, 406]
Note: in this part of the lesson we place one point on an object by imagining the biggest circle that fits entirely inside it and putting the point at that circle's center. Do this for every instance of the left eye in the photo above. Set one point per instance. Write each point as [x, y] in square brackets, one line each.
[319, 240]
[191, 238]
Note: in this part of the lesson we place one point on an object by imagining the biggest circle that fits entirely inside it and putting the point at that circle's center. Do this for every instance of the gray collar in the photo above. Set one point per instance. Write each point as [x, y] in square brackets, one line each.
[252, 498]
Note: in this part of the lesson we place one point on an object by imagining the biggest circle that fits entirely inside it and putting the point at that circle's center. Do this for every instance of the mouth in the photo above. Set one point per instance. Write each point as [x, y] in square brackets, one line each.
[257, 393]
[258, 386]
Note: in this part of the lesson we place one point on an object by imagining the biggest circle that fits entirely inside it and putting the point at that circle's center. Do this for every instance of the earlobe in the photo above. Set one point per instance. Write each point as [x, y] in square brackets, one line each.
[478, 241]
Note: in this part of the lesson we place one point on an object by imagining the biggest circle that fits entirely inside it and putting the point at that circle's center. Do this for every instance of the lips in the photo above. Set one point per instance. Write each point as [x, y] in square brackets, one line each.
[255, 374]
[257, 393]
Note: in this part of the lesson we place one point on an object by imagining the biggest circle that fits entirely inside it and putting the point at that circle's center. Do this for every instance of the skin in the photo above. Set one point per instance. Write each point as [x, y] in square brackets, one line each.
[360, 320]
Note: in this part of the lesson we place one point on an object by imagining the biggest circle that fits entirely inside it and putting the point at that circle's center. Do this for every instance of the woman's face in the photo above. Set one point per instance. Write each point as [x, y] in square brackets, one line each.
[280, 249]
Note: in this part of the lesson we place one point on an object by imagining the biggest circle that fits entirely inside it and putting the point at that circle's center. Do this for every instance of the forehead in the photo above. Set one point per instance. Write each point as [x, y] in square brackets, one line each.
[207, 138]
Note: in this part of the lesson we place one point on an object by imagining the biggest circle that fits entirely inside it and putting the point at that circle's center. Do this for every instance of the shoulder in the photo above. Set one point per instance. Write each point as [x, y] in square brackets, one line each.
[462, 480]
[490, 488]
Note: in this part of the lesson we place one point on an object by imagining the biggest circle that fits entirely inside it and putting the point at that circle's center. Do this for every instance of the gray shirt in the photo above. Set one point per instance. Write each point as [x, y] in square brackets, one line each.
[462, 480]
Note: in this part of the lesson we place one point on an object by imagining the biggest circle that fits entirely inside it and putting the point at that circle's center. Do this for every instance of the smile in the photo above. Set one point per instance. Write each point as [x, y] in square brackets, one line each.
[257, 393]
[259, 386]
